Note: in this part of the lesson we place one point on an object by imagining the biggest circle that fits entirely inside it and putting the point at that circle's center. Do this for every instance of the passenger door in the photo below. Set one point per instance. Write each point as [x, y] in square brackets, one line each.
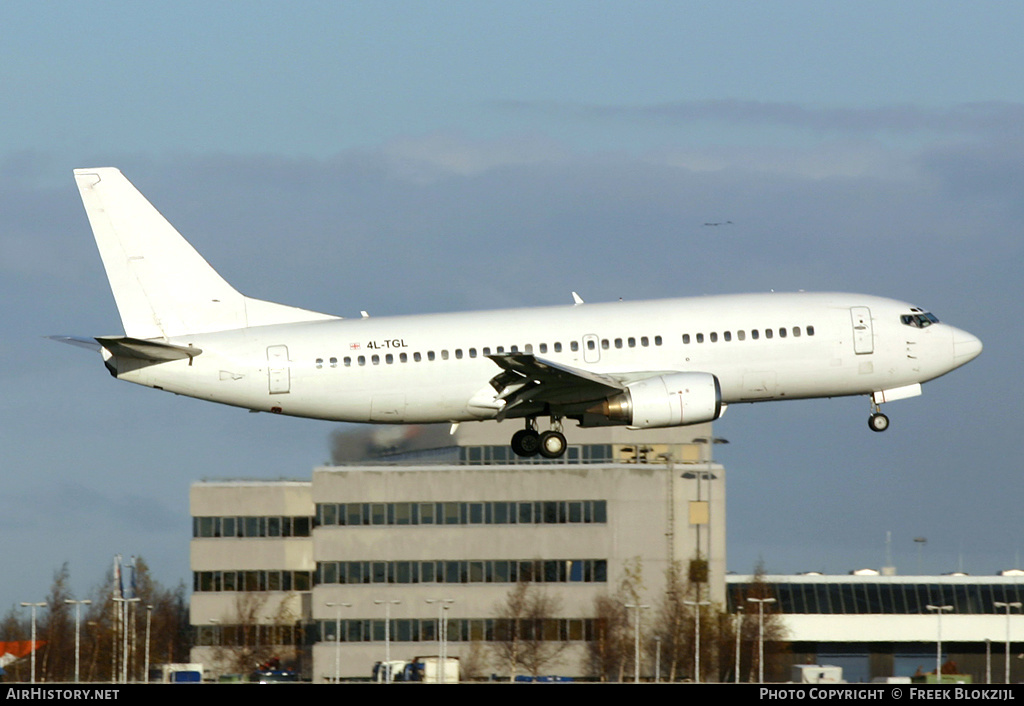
[863, 336]
[278, 370]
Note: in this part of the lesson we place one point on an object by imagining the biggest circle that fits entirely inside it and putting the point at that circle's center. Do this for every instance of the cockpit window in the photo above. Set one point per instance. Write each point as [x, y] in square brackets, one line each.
[922, 320]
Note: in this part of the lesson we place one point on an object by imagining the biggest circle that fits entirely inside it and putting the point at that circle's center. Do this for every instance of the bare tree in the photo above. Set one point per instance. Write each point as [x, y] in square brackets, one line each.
[611, 650]
[527, 634]
[255, 635]
[56, 658]
[608, 651]
[473, 661]
[674, 626]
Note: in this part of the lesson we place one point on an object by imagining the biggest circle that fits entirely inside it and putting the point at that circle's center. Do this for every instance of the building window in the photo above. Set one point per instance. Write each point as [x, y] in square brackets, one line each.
[435, 571]
[449, 513]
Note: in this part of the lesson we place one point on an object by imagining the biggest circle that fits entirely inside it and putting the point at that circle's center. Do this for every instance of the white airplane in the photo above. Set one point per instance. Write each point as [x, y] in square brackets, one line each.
[644, 364]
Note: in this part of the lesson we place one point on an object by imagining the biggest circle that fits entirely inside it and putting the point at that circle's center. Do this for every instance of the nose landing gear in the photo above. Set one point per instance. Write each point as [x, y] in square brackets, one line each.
[877, 421]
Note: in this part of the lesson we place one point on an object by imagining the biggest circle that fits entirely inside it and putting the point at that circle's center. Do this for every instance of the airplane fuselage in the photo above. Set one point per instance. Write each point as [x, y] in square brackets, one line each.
[433, 368]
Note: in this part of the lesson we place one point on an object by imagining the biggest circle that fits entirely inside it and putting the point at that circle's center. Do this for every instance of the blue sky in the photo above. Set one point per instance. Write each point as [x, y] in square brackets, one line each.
[407, 157]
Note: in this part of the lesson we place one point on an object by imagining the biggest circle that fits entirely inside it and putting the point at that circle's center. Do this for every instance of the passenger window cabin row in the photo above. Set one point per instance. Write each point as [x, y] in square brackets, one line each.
[755, 334]
[590, 342]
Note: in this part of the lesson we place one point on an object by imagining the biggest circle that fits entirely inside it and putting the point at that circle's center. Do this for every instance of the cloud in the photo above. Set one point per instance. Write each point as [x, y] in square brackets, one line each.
[425, 158]
[988, 118]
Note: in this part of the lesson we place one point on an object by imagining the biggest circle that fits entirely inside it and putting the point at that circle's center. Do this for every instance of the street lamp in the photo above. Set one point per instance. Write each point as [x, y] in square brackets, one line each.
[657, 659]
[988, 661]
[337, 637]
[939, 609]
[1007, 606]
[709, 442]
[387, 635]
[149, 624]
[33, 606]
[739, 631]
[696, 653]
[78, 622]
[636, 640]
[442, 627]
[760, 635]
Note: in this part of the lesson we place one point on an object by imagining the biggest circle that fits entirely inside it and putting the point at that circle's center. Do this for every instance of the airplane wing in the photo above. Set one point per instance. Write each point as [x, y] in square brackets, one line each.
[526, 380]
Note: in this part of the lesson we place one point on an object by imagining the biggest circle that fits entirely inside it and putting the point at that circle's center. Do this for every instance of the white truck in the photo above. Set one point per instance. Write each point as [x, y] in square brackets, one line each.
[426, 669]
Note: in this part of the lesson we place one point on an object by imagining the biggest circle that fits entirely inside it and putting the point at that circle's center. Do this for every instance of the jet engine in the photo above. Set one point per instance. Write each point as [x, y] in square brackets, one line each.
[670, 400]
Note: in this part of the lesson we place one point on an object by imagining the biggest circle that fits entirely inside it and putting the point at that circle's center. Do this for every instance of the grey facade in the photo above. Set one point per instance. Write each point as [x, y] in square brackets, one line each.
[460, 533]
[252, 568]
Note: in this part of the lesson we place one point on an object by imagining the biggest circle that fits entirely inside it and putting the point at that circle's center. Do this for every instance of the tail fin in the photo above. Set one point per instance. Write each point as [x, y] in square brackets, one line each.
[162, 286]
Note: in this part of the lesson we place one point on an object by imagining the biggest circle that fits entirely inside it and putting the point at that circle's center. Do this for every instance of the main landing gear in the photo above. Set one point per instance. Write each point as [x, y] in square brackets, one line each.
[549, 444]
[877, 421]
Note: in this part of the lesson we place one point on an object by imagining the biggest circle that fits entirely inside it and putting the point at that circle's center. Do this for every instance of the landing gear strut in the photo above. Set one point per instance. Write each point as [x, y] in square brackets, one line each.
[877, 421]
[529, 442]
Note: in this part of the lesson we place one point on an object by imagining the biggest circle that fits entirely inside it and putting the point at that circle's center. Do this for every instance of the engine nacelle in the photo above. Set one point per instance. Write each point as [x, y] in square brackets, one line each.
[667, 401]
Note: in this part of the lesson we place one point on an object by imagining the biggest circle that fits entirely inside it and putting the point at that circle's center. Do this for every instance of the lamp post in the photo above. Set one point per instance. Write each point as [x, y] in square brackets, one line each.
[337, 637]
[149, 624]
[988, 661]
[33, 606]
[1007, 606]
[696, 652]
[657, 659]
[709, 442]
[670, 507]
[760, 635]
[78, 623]
[739, 632]
[442, 638]
[387, 635]
[93, 635]
[939, 610]
[636, 639]
[122, 637]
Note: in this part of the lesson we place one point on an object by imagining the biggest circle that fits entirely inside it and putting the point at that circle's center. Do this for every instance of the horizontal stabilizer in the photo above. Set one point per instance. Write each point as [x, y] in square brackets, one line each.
[89, 343]
[125, 347]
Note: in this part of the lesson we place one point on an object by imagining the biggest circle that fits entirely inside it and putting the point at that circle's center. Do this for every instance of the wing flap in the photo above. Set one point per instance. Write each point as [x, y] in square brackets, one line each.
[528, 380]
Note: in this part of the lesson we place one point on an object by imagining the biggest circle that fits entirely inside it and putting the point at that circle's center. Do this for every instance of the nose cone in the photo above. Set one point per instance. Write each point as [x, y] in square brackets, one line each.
[965, 347]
